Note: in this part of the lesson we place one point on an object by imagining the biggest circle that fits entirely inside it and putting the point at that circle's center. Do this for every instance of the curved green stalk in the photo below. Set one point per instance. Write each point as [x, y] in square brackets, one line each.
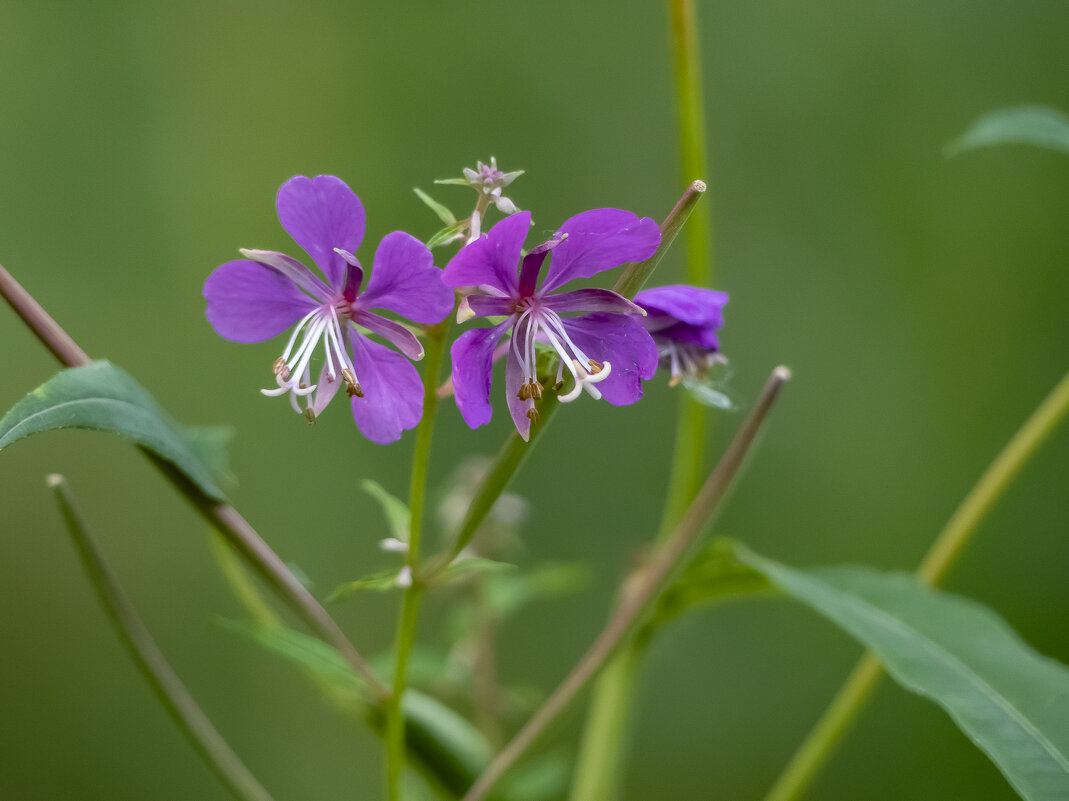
[597, 773]
[406, 625]
[172, 694]
[819, 745]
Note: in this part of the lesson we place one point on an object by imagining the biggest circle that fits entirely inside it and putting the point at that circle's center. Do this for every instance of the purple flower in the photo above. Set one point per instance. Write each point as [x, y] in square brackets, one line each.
[683, 321]
[261, 296]
[606, 351]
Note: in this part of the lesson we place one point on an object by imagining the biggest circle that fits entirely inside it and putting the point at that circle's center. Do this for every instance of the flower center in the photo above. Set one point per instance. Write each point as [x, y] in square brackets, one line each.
[293, 368]
[537, 323]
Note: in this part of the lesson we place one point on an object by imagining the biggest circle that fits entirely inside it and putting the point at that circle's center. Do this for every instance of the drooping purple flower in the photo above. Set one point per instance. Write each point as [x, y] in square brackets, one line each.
[595, 332]
[683, 321]
[259, 297]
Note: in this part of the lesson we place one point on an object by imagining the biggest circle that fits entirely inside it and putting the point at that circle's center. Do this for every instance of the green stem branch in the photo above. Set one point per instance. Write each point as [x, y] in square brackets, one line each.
[819, 745]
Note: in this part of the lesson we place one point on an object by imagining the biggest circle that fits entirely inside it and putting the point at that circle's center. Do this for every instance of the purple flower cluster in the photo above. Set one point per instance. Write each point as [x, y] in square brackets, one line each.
[605, 344]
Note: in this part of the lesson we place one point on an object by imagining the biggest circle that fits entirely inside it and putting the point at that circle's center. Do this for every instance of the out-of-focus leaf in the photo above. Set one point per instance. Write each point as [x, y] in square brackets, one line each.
[540, 778]
[507, 593]
[444, 214]
[1021, 125]
[451, 751]
[398, 516]
[326, 664]
[714, 574]
[383, 581]
[1011, 701]
[469, 567]
[101, 397]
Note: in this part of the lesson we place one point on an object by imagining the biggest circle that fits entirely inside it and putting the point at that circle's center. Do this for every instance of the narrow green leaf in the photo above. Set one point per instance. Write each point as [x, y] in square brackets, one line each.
[1010, 700]
[101, 397]
[446, 235]
[444, 214]
[398, 517]
[383, 581]
[467, 568]
[1022, 125]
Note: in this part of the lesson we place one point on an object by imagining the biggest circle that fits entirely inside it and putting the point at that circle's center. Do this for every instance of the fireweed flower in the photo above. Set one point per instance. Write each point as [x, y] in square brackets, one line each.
[261, 296]
[683, 321]
[604, 347]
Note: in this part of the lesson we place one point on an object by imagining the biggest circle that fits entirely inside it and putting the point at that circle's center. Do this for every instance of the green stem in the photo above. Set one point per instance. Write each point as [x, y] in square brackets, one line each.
[150, 660]
[599, 769]
[406, 624]
[819, 745]
[688, 69]
[597, 774]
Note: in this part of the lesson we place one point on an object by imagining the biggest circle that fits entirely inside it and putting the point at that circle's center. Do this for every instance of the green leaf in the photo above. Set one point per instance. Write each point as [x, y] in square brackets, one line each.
[1022, 125]
[446, 235]
[1010, 700]
[383, 581]
[714, 574]
[444, 214]
[101, 397]
[467, 568]
[398, 517]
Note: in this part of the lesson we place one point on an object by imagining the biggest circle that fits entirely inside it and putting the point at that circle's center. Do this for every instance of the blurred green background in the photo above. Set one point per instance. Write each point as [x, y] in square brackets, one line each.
[921, 302]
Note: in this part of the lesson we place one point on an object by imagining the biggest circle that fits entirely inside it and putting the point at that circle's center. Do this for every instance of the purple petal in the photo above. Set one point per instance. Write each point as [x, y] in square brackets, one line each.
[622, 341]
[399, 336]
[393, 392]
[251, 302]
[293, 270]
[493, 258]
[689, 304]
[517, 408]
[599, 240]
[489, 306]
[325, 390]
[321, 214]
[592, 300]
[472, 355]
[405, 280]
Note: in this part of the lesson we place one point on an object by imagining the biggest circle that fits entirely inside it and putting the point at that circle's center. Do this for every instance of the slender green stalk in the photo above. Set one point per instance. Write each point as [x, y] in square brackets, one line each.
[688, 69]
[636, 273]
[642, 591]
[597, 773]
[819, 745]
[608, 725]
[170, 691]
[406, 624]
[223, 518]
